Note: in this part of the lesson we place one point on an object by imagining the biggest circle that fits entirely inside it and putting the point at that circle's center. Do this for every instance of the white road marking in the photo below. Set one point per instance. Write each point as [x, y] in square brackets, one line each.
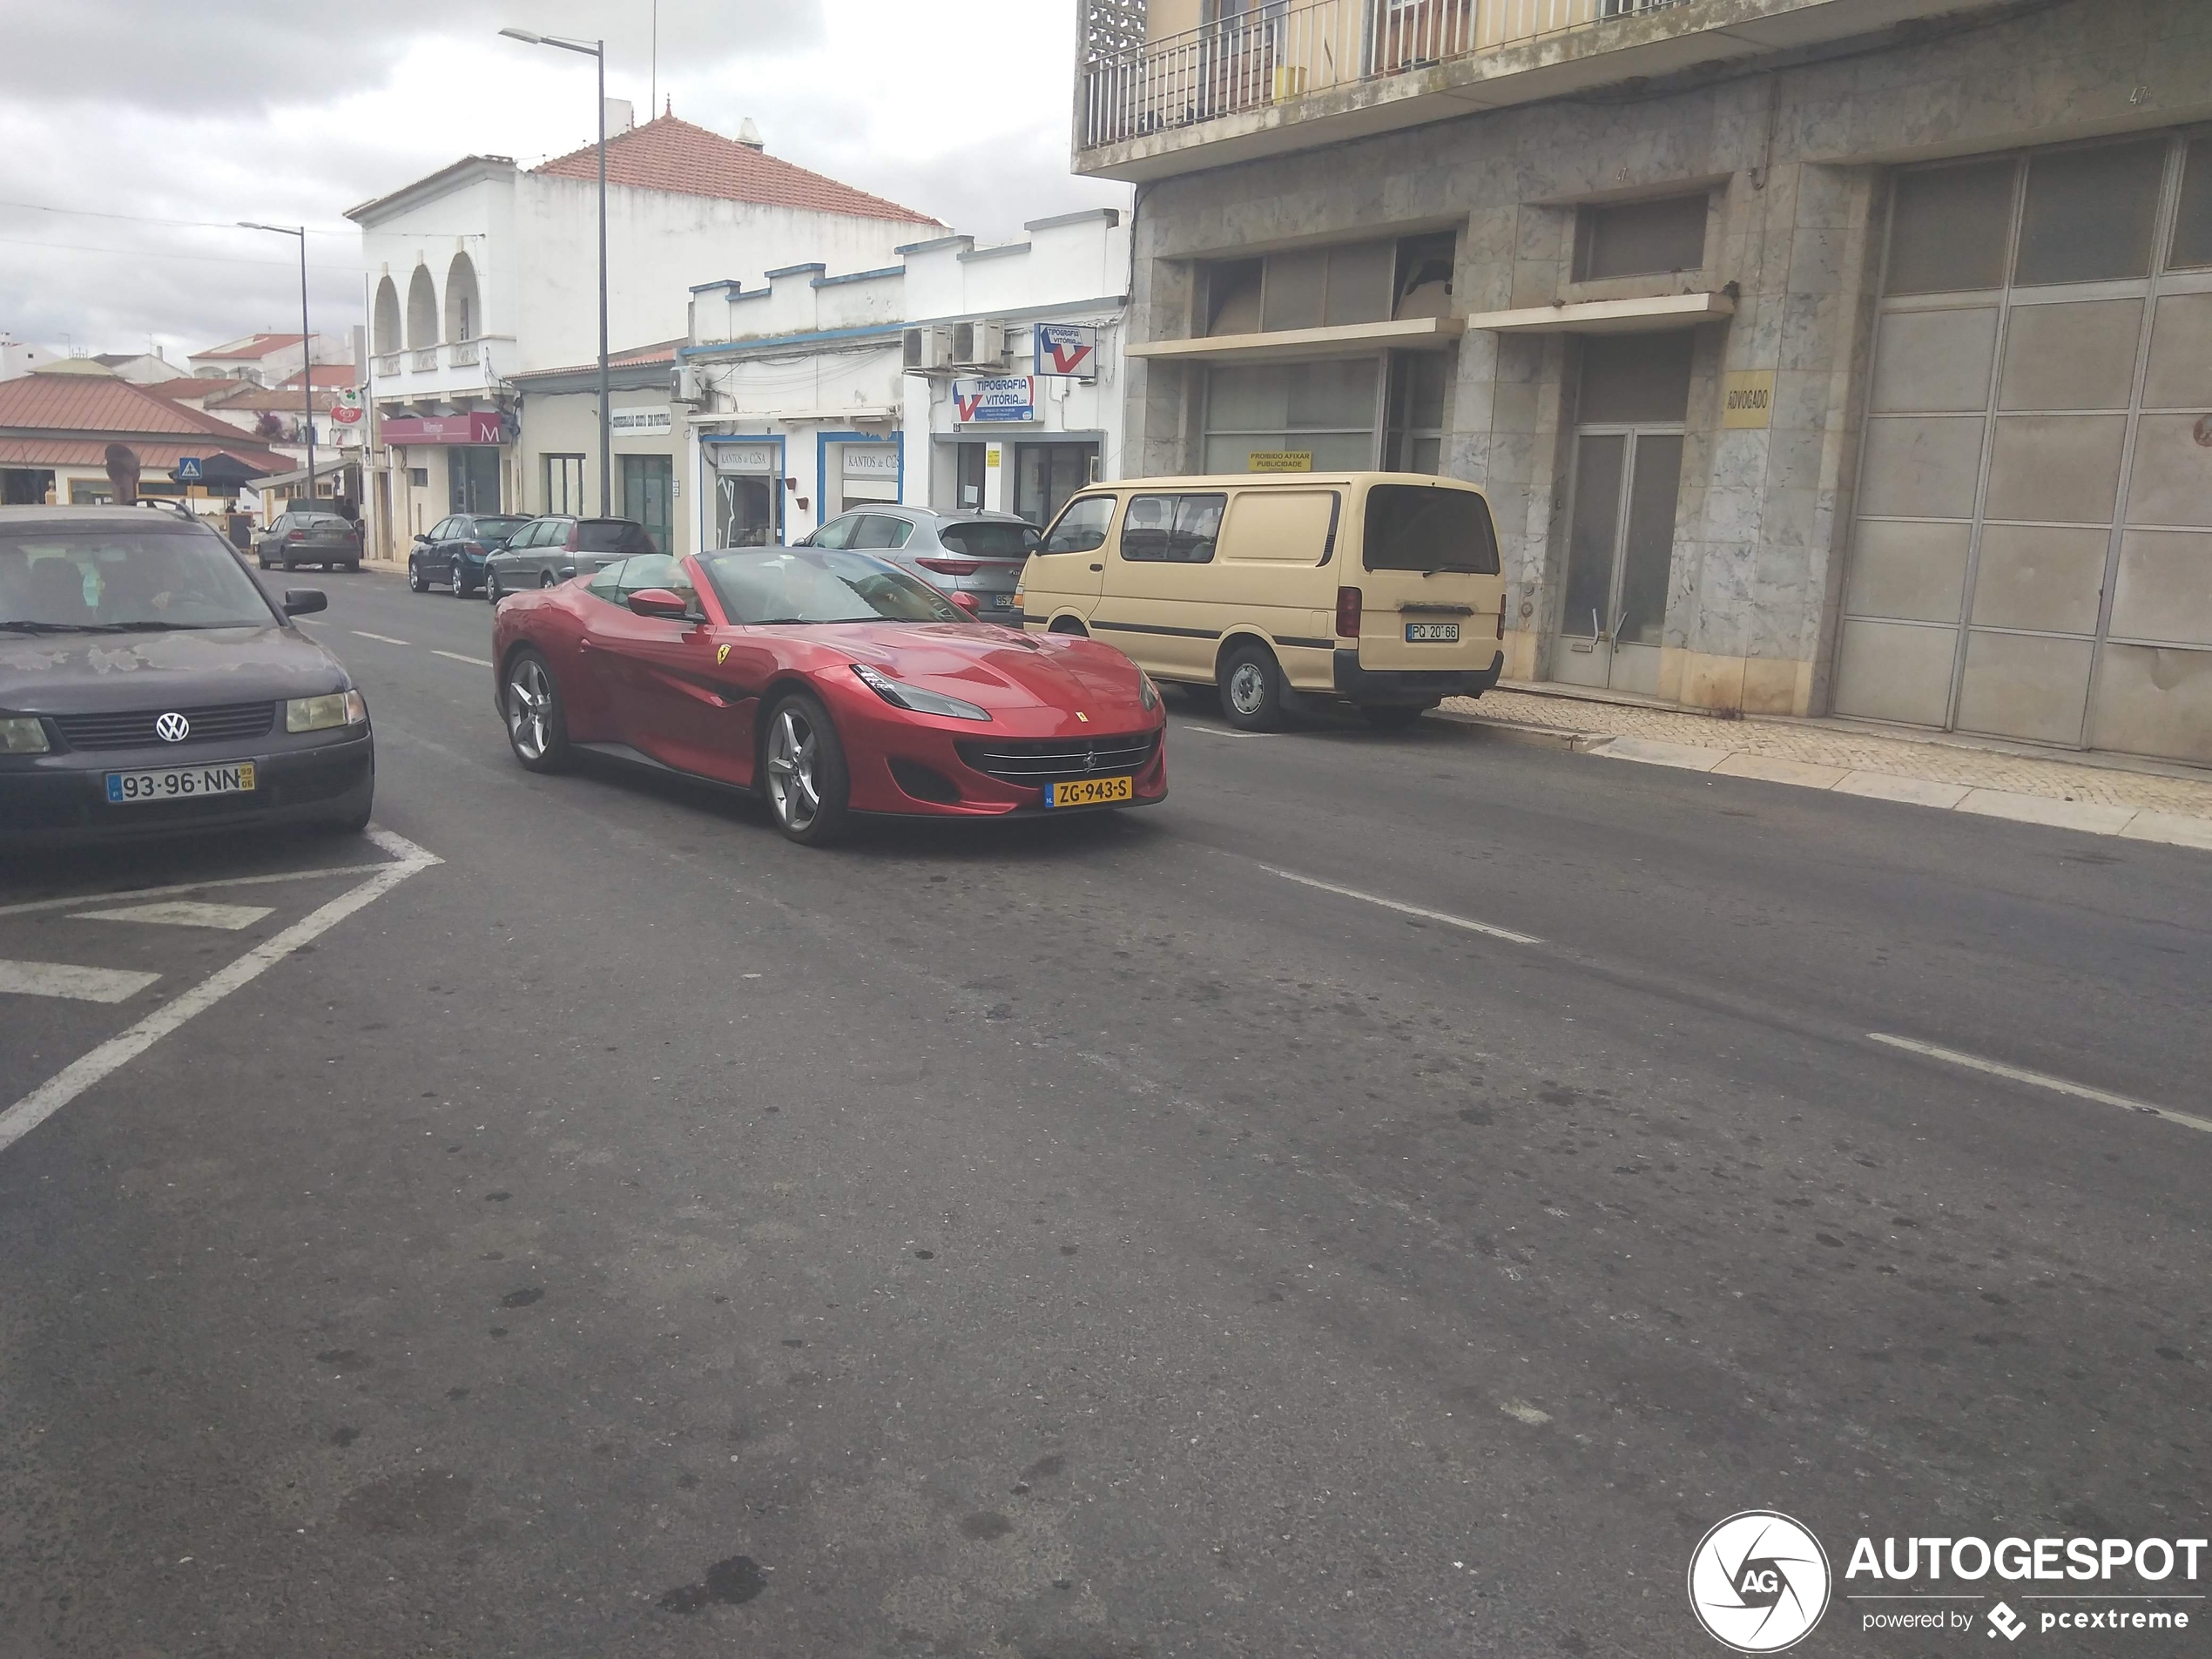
[182, 914]
[80, 1075]
[189, 887]
[1216, 732]
[2040, 1080]
[382, 639]
[1449, 921]
[78, 984]
[479, 661]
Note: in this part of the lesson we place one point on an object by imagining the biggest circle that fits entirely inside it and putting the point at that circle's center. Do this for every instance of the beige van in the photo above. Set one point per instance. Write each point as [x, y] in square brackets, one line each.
[1379, 587]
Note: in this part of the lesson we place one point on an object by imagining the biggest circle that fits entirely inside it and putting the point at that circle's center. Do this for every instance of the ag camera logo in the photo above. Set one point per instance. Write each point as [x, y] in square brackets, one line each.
[1759, 1582]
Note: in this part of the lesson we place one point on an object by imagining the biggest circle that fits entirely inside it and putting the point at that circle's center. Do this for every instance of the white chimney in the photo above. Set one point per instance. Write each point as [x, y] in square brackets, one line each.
[749, 135]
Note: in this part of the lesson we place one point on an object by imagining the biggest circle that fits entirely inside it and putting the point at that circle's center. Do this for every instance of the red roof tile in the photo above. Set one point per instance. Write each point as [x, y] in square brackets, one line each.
[663, 353]
[101, 403]
[337, 375]
[284, 399]
[251, 349]
[667, 153]
[200, 385]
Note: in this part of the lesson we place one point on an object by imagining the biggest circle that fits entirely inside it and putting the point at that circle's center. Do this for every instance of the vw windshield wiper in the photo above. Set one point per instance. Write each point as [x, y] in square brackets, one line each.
[51, 628]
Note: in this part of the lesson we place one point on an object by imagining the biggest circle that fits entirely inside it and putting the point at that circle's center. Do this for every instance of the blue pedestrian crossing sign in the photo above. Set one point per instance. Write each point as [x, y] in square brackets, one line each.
[187, 469]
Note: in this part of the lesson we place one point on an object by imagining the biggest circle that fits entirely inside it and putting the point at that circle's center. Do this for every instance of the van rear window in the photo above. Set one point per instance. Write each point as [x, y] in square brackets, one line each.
[1420, 527]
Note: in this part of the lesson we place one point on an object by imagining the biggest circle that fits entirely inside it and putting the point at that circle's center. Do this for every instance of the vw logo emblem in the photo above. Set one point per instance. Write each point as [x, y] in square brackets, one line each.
[172, 728]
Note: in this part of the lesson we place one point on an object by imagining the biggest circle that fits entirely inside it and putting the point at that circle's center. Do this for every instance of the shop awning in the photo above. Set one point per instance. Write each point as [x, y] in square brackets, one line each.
[1609, 316]
[477, 426]
[1346, 340]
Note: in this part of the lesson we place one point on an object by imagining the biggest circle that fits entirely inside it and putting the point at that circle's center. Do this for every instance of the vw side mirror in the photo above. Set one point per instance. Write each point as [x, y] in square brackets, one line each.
[300, 602]
[659, 602]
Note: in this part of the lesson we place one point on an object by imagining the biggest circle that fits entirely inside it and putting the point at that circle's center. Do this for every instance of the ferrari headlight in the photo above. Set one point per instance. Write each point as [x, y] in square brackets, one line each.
[324, 713]
[22, 735]
[914, 698]
[1147, 693]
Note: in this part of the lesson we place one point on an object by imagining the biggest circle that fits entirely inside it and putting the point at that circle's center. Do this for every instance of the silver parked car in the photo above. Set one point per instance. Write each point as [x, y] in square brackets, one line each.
[980, 554]
[550, 549]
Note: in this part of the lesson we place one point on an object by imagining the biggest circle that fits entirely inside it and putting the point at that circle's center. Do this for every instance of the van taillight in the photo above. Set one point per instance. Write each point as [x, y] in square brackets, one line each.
[1347, 613]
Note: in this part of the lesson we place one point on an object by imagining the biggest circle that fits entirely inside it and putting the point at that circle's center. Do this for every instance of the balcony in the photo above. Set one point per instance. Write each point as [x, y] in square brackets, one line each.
[452, 370]
[1287, 74]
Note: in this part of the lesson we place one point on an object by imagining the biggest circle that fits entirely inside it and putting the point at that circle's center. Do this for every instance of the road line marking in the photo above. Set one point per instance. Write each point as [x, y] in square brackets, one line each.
[229, 917]
[382, 639]
[78, 984]
[1216, 732]
[2059, 1085]
[479, 661]
[118, 1051]
[187, 886]
[1449, 921]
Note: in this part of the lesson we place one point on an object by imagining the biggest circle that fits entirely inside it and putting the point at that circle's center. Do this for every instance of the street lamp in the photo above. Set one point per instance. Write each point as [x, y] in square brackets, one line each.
[598, 49]
[307, 345]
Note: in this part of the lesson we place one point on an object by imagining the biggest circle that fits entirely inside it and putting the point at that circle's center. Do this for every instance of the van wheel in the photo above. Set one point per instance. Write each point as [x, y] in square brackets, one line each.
[1392, 717]
[1251, 688]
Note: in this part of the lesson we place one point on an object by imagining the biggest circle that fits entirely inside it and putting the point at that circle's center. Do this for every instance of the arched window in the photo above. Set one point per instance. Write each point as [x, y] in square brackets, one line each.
[422, 310]
[464, 310]
[388, 319]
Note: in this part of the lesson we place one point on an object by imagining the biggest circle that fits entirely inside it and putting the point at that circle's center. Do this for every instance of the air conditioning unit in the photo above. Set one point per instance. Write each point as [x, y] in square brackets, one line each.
[683, 386]
[928, 349]
[979, 345]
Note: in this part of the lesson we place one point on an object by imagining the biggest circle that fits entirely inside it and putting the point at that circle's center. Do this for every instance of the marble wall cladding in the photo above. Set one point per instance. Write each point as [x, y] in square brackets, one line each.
[1798, 163]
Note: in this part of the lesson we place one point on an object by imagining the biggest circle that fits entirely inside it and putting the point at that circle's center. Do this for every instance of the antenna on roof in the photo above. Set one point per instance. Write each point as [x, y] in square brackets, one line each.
[749, 134]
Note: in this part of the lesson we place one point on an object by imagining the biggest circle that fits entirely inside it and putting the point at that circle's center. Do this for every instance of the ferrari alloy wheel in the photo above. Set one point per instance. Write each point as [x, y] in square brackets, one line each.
[804, 769]
[535, 726]
[414, 581]
[1251, 688]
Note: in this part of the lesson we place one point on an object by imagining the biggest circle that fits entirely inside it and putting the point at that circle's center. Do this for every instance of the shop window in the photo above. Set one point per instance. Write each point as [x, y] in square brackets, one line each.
[2089, 214]
[418, 477]
[1640, 239]
[1414, 439]
[1636, 380]
[1949, 229]
[1292, 417]
[968, 466]
[1312, 287]
[2192, 248]
[1046, 475]
[565, 485]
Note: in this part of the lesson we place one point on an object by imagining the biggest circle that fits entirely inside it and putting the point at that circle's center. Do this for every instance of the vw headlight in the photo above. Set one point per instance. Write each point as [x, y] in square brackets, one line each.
[324, 713]
[1147, 693]
[21, 734]
[914, 698]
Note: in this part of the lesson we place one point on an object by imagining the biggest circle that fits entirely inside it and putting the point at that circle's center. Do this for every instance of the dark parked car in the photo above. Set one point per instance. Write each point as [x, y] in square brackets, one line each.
[304, 536]
[549, 551]
[453, 554]
[149, 686]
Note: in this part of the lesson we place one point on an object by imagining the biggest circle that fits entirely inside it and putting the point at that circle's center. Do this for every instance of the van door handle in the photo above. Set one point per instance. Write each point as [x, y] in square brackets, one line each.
[1097, 567]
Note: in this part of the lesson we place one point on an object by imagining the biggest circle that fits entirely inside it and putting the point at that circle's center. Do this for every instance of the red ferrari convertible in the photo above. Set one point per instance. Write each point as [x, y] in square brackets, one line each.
[827, 681]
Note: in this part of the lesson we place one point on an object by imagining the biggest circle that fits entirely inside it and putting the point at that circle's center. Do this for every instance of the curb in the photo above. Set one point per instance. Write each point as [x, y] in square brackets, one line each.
[2089, 817]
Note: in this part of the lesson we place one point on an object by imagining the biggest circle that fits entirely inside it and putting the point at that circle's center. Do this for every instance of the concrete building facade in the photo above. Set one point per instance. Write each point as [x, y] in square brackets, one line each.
[1819, 356]
[924, 381]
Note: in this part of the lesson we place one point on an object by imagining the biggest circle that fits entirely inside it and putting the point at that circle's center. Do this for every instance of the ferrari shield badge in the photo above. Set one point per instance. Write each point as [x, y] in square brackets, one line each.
[721, 655]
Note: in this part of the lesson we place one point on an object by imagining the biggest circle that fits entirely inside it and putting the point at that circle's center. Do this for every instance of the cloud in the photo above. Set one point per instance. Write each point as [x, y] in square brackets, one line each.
[293, 114]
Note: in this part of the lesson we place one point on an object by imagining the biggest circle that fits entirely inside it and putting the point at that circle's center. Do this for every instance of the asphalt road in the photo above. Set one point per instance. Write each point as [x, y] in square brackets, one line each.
[632, 1234]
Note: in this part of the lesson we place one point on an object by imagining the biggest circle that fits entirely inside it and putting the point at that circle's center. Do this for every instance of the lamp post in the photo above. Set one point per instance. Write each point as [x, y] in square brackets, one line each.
[307, 340]
[595, 50]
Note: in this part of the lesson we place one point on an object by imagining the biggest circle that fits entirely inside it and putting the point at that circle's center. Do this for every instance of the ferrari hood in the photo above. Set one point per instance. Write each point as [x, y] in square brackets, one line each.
[1000, 670]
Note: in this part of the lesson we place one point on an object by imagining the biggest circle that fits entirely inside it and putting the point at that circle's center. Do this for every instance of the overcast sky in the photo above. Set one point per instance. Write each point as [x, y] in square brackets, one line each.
[133, 114]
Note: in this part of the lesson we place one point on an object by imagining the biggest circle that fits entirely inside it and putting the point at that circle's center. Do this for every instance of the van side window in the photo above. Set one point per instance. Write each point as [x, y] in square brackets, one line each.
[1174, 529]
[1082, 527]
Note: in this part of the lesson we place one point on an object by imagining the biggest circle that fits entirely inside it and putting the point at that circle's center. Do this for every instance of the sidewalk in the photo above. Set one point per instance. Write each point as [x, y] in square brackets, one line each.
[2170, 803]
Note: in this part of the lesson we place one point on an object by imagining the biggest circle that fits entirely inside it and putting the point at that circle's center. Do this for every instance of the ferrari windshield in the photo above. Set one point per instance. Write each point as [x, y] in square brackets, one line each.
[61, 579]
[820, 584]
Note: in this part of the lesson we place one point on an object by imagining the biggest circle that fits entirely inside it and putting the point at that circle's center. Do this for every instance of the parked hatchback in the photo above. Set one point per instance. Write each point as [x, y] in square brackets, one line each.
[976, 554]
[548, 551]
[304, 536]
[452, 555]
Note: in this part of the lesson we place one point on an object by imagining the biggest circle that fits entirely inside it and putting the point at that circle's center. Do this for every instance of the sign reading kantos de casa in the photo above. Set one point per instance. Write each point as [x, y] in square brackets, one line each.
[1747, 400]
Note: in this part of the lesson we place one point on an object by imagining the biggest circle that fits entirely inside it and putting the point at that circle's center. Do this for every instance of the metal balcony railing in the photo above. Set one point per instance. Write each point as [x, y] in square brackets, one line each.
[1279, 53]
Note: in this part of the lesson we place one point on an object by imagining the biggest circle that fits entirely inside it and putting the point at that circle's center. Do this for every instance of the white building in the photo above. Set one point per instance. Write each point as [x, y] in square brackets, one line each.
[266, 359]
[484, 270]
[923, 381]
[141, 369]
[17, 359]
